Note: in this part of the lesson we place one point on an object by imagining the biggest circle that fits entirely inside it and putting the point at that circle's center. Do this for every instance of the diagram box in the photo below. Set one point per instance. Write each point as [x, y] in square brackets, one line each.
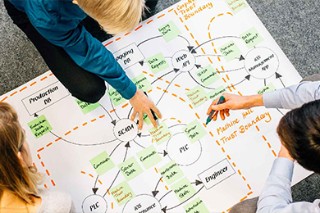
[128, 56]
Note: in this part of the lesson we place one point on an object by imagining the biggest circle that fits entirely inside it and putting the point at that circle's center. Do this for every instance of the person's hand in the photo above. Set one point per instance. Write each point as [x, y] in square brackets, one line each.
[143, 105]
[234, 102]
[284, 153]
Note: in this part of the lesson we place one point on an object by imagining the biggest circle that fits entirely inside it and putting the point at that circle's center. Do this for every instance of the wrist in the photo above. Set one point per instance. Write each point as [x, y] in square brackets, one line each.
[254, 101]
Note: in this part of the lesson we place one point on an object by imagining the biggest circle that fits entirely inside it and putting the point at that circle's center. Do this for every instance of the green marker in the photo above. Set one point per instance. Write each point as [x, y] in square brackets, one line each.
[221, 100]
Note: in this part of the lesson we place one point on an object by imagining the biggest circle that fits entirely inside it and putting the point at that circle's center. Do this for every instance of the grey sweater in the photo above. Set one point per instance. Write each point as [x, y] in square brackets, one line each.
[55, 202]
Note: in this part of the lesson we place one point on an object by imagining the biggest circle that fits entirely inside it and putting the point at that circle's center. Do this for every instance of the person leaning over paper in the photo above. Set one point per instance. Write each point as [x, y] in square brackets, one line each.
[19, 179]
[299, 133]
[67, 39]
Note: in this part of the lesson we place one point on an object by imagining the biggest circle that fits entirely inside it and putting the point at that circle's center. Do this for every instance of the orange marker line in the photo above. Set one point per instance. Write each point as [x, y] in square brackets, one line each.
[138, 28]
[53, 183]
[33, 83]
[47, 172]
[49, 144]
[39, 150]
[22, 89]
[149, 21]
[4, 99]
[249, 187]
[242, 199]
[274, 153]
[258, 129]
[75, 128]
[44, 78]
[102, 116]
[107, 44]
[161, 16]
[84, 124]
[83, 172]
[93, 120]
[67, 133]
[14, 93]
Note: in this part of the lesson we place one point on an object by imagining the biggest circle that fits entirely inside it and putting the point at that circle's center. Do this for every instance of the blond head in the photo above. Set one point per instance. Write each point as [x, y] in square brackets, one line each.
[115, 16]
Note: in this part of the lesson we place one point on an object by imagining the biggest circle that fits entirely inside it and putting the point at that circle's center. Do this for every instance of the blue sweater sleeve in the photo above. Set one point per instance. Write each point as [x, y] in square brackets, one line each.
[91, 55]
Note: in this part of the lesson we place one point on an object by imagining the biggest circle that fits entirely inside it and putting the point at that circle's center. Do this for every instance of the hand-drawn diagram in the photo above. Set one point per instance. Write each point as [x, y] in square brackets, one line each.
[182, 58]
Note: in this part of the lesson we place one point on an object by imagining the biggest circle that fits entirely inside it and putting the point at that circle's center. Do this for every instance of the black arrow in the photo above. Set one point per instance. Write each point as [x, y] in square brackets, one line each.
[197, 182]
[241, 58]
[114, 122]
[278, 76]
[154, 193]
[127, 145]
[141, 63]
[164, 209]
[139, 134]
[248, 77]
[94, 190]
[36, 115]
[165, 153]
[191, 49]
[198, 66]
[176, 70]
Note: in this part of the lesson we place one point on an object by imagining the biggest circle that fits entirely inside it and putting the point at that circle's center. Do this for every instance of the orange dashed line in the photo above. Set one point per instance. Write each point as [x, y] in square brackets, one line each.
[210, 60]
[53, 183]
[249, 187]
[158, 88]
[127, 34]
[218, 143]
[39, 150]
[219, 59]
[150, 91]
[51, 74]
[177, 85]
[258, 129]
[230, 13]
[75, 128]
[4, 99]
[67, 133]
[204, 52]
[223, 150]
[58, 139]
[212, 19]
[179, 122]
[170, 10]
[47, 172]
[108, 192]
[221, 14]
[93, 120]
[144, 72]
[42, 164]
[39, 157]
[211, 134]
[274, 153]
[108, 43]
[168, 82]
[83, 172]
[192, 35]
[44, 78]
[156, 170]
[165, 91]
[269, 145]
[167, 188]
[90, 175]
[175, 12]
[111, 111]
[233, 87]
[138, 28]
[240, 93]
[181, 20]
[161, 180]
[222, 68]
[234, 164]
[149, 21]
[242, 199]
[244, 178]
[102, 116]
[186, 27]
[197, 116]
[239, 172]
[84, 124]
[183, 100]
[264, 138]
[111, 205]
[224, 80]
[228, 77]
[100, 182]
[124, 106]
[117, 39]
[23, 89]
[45, 186]
[228, 156]
[161, 16]
[209, 35]
[175, 95]
[49, 144]
[190, 106]
[13, 93]
[215, 50]
[197, 43]
[249, 193]
[32, 84]
[205, 126]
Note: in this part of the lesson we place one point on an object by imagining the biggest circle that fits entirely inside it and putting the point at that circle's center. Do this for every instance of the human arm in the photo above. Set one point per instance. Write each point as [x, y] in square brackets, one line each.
[276, 194]
[289, 98]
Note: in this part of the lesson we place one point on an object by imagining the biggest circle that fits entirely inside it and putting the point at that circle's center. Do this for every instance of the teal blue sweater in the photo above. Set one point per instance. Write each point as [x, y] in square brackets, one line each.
[58, 22]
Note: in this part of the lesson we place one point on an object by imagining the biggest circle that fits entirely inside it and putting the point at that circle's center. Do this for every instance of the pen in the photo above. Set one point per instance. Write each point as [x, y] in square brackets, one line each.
[220, 101]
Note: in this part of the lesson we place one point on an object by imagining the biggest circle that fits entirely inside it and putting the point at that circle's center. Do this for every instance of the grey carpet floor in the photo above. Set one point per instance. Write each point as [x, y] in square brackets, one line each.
[294, 24]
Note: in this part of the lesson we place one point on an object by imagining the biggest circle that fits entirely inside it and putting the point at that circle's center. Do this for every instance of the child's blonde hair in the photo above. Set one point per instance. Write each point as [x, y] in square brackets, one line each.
[115, 16]
[13, 176]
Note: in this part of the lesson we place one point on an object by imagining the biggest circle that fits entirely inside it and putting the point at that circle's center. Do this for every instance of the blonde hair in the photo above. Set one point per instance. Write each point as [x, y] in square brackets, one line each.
[13, 176]
[115, 16]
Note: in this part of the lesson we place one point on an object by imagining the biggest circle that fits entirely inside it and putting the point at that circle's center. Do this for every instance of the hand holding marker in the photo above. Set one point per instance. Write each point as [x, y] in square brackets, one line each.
[221, 100]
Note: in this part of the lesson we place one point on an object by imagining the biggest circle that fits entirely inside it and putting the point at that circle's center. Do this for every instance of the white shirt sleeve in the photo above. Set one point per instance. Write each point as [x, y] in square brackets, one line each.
[276, 194]
[293, 96]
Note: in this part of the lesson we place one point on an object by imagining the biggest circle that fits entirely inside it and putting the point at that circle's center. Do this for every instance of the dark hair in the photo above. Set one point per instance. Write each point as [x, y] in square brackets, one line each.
[299, 131]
